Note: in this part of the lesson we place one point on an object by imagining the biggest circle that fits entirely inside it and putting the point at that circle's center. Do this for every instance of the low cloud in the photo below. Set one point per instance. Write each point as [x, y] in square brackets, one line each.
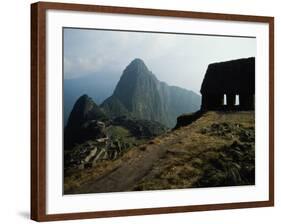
[179, 60]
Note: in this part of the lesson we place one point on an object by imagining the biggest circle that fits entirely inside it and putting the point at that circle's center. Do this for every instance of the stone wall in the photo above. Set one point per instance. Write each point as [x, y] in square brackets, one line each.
[230, 79]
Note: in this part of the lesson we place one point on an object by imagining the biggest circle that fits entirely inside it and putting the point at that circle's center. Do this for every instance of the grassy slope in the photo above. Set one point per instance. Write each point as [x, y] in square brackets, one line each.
[216, 150]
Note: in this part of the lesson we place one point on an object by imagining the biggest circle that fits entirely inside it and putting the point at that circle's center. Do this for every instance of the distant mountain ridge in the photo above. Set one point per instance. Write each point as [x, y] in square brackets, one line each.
[87, 122]
[141, 95]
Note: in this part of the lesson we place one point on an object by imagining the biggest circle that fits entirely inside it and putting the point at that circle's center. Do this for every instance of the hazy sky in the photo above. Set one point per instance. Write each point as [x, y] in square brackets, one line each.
[179, 60]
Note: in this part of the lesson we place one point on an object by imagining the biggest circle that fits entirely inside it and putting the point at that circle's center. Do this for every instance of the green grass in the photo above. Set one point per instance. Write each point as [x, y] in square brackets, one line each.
[217, 150]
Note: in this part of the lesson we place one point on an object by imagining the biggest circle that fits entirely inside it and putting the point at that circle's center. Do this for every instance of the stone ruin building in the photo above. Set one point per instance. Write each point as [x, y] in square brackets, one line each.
[229, 85]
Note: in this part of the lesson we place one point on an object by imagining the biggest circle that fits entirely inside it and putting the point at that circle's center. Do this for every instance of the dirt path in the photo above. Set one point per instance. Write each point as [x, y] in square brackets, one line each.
[125, 176]
[131, 171]
[141, 164]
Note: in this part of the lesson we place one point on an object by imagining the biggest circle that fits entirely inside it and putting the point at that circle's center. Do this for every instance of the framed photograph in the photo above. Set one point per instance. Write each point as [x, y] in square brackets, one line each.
[142, 111]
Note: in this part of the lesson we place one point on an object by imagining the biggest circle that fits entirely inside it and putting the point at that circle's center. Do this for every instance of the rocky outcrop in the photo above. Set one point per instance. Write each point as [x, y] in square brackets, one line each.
[186, 119]
[87, 154]
[139, 94]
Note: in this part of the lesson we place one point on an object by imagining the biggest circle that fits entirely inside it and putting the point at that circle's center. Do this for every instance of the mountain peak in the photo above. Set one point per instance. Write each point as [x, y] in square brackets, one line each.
[137, 61]
[84, 109]
[140, 94]
[137, 66]
[84, 98]
[134, 79]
